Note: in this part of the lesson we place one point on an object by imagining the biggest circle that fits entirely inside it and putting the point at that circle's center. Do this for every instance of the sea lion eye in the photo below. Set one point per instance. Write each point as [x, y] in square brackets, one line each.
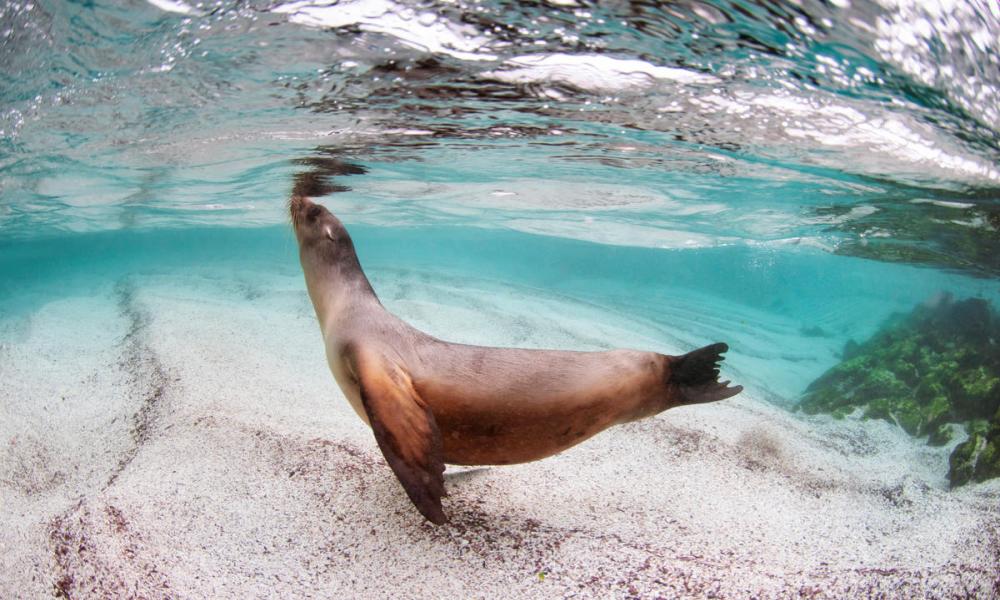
[313, 213]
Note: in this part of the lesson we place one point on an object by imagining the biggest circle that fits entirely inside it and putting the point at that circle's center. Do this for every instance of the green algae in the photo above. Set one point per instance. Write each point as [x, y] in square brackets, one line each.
[925, 372]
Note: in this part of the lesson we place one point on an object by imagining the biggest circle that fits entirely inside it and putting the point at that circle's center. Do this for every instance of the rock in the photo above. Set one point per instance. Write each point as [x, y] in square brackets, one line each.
[988, 462]
[941, 435]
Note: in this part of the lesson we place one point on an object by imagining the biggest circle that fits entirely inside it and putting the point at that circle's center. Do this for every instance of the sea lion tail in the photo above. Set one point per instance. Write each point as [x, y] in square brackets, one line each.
[696, 376]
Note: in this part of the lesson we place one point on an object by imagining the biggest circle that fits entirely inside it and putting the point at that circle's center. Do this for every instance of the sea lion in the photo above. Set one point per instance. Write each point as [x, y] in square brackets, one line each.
[431, 402]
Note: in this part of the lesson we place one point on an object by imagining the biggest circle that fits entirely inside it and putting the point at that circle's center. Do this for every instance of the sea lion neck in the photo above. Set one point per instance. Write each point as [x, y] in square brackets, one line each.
[335, 279]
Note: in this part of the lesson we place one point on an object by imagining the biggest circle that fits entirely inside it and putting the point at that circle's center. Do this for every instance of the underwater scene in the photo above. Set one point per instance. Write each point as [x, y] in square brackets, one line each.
[814, 183]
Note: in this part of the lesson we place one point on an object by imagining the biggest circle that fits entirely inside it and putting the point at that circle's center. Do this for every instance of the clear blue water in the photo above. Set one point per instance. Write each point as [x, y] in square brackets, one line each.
[782, 177]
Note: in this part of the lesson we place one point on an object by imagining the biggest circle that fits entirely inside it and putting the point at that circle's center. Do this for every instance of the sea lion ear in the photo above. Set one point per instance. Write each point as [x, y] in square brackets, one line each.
[405, 430]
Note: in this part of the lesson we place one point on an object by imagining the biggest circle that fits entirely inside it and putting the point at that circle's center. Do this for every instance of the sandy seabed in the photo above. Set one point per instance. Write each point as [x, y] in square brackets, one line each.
[179, 436]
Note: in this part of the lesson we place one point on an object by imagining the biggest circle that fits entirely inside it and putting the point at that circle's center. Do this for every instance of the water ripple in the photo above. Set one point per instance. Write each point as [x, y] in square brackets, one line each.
[792, 120]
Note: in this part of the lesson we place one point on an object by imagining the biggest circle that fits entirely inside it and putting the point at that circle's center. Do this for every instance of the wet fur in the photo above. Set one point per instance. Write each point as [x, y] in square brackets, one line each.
[431, 402]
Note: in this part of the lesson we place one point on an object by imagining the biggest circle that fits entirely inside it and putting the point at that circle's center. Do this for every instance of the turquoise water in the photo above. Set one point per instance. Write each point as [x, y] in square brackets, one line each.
[786, 314]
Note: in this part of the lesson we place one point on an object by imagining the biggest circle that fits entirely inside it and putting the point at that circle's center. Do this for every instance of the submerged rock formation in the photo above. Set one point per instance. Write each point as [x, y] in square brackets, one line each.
[926, 371]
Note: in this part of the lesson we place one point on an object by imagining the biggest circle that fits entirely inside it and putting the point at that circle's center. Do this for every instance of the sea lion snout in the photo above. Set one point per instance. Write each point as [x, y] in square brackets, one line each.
[297, 208]
[295, 203]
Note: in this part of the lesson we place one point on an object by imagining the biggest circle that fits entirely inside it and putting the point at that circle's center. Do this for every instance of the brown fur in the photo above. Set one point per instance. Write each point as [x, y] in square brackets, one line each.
[431, 402]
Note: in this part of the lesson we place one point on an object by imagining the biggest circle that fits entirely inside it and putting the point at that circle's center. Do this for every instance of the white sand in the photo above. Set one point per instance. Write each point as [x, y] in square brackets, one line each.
[180, 436]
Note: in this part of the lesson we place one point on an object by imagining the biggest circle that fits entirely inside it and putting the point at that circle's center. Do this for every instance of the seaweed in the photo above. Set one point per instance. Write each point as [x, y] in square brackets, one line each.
[926, 371]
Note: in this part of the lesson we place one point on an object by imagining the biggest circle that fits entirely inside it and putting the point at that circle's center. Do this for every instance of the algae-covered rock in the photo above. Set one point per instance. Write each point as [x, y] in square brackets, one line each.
[962, 462]
[988, 462]
[977, 458]
[941, 435]
[937, 366]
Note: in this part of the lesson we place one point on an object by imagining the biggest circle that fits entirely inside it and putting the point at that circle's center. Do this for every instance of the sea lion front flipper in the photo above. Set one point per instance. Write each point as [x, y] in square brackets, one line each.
[405, 430]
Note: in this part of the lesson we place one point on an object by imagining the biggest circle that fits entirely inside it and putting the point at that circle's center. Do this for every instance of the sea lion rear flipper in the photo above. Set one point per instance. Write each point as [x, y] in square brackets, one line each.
[696, 375]
[405, 430]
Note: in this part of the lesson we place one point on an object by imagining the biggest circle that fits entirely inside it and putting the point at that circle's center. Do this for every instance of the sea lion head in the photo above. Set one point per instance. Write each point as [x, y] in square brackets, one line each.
[323, 239]
[329, 262]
